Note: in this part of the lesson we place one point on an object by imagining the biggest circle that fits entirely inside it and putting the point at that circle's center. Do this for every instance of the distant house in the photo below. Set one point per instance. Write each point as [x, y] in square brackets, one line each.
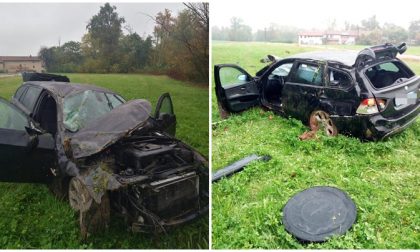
[327, 38]
[17, 64]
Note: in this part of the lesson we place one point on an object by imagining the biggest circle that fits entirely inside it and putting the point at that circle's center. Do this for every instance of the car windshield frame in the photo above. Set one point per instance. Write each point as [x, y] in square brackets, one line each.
[81, 108]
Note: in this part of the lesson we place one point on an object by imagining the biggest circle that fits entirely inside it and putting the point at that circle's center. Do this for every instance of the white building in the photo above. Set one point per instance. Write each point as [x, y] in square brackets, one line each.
[327, 38]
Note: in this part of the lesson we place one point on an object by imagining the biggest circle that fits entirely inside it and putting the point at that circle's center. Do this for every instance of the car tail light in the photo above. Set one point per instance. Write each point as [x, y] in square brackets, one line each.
[371, 106]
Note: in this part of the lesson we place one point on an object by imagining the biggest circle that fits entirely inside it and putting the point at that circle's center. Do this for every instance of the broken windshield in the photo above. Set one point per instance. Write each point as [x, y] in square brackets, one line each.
[81, 108]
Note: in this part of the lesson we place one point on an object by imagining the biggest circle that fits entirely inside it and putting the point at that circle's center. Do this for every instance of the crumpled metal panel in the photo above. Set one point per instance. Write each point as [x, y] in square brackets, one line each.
[109, 128]
[98, 180]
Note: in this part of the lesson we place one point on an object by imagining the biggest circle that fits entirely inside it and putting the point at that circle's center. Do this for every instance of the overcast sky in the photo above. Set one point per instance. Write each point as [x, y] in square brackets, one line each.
[316, 14]
[25, 27]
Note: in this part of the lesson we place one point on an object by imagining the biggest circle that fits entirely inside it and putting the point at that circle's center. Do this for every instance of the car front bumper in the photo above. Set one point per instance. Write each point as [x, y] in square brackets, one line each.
[375, 127]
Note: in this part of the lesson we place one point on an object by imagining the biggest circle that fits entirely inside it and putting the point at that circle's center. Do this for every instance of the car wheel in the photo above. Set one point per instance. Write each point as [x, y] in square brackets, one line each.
[93, 217]
[320, 118]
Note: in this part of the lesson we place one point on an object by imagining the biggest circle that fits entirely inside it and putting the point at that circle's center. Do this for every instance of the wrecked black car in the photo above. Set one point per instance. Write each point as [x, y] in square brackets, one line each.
[371, 94]
[102, 153]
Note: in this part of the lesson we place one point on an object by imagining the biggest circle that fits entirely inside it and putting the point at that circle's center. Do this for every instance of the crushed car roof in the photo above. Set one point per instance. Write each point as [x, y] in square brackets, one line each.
[105, 130]
[345, 57]
[64, 89]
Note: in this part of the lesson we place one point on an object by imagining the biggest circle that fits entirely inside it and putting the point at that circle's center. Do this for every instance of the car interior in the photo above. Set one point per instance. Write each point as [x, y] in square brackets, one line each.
[46, 114]
[386, 74]
[273, 89]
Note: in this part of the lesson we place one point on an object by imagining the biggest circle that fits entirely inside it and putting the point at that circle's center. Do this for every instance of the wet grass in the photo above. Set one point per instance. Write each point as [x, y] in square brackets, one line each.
[381, 177]
[31, 217]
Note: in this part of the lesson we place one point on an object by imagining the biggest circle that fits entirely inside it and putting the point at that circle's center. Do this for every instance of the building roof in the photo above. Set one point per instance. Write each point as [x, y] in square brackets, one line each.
[19, 58]
[345, 57]
[312, 33]
[322, 33]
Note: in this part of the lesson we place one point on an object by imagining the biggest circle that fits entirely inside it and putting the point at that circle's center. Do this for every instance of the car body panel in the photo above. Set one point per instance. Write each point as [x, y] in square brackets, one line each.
[25, 157]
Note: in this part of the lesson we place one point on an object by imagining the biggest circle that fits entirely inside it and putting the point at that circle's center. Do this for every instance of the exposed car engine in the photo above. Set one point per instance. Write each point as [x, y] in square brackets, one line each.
[162, 178]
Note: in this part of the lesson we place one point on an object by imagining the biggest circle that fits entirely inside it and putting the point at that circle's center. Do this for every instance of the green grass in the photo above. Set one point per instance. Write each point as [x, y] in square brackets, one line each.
[381, 177]
[30, 216]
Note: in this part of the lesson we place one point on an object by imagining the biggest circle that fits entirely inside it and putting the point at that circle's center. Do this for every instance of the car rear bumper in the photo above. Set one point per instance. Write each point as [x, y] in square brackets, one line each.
[375, 127]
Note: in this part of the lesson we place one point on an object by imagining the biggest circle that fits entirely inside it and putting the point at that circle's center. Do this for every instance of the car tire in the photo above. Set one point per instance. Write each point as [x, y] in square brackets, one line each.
[93, 217]
[321, 119]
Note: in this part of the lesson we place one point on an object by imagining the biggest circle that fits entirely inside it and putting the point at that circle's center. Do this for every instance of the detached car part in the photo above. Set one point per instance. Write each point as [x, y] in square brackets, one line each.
[237, 166]
[317, 213]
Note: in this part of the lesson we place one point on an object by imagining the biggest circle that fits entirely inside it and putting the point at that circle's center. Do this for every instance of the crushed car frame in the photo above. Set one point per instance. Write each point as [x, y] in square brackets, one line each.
[102, 153]
[371, 94]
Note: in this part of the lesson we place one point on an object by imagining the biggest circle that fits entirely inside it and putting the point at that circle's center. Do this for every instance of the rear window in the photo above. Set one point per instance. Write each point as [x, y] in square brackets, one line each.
[388, 73]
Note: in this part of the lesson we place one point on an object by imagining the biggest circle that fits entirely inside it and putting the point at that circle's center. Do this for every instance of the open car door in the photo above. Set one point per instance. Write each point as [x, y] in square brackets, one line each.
[164, 114]
[25, 154]
[236, 90]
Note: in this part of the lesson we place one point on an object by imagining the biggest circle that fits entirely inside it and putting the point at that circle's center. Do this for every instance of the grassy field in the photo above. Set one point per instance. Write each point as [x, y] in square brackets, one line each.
[30, 216]
[381, 177]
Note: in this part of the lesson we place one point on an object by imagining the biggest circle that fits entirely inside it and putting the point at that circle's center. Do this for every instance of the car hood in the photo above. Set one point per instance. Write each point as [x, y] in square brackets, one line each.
[108, 129]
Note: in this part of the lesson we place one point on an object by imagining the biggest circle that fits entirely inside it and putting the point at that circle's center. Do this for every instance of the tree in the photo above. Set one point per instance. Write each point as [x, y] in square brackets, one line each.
[105, 31]
[394, 34]
[135, 52]
[219, 33]
[370, 23]
[47, 56]
[239, 31]
[414, 32]
[182, 43]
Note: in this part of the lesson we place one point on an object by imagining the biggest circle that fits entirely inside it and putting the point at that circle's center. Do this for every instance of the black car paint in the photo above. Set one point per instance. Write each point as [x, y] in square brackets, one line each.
[26, 156]
[300, 100]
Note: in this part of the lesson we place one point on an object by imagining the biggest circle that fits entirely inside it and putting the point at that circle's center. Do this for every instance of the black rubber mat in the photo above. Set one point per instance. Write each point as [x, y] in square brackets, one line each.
[318, 213]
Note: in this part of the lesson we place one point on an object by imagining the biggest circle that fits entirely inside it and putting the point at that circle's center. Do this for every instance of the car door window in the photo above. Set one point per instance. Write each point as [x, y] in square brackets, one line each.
[19, 92]
[308, 74]
[30, 97]
[233, 76]
[164, 106]
[339, 79]
[11, 117]
[282, 71]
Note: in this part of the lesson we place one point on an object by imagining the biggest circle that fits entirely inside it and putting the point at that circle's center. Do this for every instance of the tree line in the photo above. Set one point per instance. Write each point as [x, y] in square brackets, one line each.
[178, 47]
[369, 31]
